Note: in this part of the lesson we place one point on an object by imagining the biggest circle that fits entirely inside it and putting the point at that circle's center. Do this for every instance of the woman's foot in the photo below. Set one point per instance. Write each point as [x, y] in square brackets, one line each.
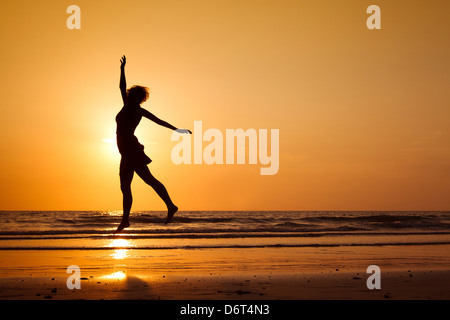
[170, 212]
[122, 225]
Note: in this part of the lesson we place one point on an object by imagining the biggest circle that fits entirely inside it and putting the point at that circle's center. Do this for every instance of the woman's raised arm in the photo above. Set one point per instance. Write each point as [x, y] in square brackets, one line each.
[123, 82]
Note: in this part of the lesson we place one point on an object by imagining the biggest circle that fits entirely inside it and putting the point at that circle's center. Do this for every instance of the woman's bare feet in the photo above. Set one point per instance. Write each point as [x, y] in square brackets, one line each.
[170, 213]
[122, 225]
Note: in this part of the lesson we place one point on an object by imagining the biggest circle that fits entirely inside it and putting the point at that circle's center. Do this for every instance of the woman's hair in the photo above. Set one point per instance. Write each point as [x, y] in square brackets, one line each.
[138, 94]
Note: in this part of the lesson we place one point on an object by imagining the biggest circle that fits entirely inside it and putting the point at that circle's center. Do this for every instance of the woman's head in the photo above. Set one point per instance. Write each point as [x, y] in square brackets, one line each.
[137, 94]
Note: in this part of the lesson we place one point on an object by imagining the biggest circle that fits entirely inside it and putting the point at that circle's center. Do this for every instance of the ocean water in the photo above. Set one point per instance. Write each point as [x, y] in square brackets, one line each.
[73, 230]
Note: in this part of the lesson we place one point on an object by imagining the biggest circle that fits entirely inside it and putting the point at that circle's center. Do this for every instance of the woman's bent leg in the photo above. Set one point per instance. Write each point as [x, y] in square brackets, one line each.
[148, 178]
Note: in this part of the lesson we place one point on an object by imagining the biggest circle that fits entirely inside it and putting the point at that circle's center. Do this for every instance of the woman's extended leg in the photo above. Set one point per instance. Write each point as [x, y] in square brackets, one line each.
[148, 178]
[126, 176]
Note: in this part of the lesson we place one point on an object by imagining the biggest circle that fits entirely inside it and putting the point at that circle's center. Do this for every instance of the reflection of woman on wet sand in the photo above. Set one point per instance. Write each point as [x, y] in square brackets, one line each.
[133, 157]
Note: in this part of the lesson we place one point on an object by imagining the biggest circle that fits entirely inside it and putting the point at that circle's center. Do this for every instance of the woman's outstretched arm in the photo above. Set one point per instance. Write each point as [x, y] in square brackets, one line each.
[123, 82]
[155, 119]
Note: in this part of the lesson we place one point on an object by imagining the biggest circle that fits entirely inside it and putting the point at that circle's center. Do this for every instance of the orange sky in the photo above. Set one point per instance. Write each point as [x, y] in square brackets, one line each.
[363, 114]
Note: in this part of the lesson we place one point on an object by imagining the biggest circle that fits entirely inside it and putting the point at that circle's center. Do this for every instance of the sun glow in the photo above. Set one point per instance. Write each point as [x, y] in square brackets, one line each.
[109, 149]
[109, 140]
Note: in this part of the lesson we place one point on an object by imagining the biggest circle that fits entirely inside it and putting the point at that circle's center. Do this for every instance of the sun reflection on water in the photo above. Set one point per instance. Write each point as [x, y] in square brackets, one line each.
[119, 275]
[120, 248]
[120, 254]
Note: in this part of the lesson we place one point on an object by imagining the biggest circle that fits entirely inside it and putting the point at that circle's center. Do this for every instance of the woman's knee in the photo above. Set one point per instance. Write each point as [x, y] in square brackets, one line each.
[146, 176]
[126, 190]
[125, 186]
[126, 176]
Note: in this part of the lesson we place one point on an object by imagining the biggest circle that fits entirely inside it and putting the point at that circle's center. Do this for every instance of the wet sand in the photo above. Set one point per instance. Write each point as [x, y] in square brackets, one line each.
[331, 273]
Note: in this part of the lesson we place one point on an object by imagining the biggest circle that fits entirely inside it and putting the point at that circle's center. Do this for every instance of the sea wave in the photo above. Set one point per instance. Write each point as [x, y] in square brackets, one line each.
[230, 246]
[189, 234]
[53, 225]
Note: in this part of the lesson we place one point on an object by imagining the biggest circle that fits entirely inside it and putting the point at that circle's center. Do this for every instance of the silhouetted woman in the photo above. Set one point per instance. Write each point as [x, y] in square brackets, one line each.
[133, 157]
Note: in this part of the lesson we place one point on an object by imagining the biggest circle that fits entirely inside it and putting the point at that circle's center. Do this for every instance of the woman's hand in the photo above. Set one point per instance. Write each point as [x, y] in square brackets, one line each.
[183, 131]
[123, 61]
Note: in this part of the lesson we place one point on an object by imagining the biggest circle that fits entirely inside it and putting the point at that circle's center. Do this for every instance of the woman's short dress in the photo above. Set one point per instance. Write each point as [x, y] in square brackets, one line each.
[132, 151]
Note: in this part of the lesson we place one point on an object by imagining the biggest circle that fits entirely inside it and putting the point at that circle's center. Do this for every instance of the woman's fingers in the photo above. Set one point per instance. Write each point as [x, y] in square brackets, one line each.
[183, 131]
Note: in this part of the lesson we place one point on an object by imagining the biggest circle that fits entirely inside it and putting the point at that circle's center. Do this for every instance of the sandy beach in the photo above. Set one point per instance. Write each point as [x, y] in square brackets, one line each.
[329, 273]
